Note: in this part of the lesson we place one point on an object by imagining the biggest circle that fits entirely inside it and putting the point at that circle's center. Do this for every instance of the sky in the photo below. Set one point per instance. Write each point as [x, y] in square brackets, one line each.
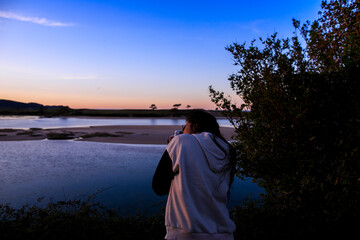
[106, 54]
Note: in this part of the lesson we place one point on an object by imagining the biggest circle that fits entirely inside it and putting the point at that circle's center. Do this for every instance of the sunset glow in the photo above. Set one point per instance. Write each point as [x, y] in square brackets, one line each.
[130, 54]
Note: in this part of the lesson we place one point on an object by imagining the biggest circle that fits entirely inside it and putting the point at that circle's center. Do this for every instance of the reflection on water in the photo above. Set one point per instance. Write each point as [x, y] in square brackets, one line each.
[68, 169]
[64, 170]
[36, 122]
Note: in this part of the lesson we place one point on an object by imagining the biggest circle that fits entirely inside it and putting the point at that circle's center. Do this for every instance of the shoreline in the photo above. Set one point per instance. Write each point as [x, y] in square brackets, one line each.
[128, 134]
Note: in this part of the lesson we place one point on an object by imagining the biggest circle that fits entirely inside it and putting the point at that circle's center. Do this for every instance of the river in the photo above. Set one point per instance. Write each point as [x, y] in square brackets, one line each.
[120, 174]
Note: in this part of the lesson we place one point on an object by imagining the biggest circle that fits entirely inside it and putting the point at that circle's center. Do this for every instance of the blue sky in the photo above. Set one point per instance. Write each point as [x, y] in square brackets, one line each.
[130, 54]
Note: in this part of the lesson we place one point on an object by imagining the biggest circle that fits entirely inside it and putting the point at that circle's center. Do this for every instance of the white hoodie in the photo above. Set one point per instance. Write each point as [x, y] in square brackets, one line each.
[196, 206]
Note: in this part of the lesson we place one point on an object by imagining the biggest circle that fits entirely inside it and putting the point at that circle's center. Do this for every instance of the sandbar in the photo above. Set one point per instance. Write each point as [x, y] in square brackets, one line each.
[128, 134]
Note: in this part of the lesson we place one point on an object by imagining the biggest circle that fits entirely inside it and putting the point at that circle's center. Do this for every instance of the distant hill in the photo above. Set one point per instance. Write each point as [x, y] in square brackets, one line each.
[12, 105]
[8, 107]
[7, 104]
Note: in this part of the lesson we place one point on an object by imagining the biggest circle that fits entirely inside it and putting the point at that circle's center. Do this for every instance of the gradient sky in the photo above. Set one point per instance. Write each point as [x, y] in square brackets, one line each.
[130, 54]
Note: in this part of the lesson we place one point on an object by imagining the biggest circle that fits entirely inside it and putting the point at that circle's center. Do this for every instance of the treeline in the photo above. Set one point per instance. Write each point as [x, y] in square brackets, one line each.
[136, 113]
[8, 107]
[68, 112]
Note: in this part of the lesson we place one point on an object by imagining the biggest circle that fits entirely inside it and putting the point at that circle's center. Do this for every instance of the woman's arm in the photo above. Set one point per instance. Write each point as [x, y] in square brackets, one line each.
[163, 175]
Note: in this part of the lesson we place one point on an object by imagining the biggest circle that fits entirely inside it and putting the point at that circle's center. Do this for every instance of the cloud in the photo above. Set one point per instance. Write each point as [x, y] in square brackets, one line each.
[36, 20]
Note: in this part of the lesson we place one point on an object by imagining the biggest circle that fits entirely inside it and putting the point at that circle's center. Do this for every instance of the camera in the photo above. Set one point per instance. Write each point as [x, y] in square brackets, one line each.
[177, 132]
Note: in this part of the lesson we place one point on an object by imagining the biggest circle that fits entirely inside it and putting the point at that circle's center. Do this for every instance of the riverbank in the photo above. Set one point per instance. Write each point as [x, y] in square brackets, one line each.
[130, 134]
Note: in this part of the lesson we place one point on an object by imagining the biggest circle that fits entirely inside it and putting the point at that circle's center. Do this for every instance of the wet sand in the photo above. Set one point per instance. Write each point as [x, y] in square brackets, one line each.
[131, 134]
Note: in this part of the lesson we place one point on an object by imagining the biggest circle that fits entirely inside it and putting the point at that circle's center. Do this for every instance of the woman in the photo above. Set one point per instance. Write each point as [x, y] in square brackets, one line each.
[196, 170]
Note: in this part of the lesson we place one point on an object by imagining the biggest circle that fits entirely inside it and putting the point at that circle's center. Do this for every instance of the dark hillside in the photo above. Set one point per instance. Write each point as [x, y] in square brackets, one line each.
[8, 107]
[8, 104]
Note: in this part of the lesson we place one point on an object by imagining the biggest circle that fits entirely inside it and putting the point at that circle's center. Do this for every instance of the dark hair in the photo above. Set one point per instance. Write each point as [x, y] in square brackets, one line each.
[202, 121]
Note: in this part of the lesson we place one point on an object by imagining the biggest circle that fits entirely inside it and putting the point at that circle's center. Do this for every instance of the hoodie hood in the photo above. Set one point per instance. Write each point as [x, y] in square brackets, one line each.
[198, 192]
[215, 149]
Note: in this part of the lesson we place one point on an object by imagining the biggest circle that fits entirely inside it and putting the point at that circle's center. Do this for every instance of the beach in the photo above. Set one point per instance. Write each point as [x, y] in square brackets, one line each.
[128, 134]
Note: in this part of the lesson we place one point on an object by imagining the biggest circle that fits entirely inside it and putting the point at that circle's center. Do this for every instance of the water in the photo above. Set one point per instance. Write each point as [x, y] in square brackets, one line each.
[66, 170]
[59, 122]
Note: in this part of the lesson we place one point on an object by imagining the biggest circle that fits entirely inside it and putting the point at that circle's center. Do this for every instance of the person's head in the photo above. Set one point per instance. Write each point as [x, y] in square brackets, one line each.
[201, 121]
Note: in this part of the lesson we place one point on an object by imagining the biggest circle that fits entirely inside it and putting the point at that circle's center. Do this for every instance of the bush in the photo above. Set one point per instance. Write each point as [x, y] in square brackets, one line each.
[77, 220]
[60, 136]
[300, 141]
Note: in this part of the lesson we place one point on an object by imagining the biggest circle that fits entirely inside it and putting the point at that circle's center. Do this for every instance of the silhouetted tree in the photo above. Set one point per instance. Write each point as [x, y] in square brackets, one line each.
[153, 107]
[300, 141]
[176, 106]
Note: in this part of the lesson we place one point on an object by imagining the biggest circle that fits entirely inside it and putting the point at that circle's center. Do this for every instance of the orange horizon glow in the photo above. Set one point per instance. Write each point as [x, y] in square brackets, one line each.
[82, 102]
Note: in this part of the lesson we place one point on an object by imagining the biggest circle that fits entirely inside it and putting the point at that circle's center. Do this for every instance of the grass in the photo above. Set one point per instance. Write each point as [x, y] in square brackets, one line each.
[100, 134]
[59, 136]
[77, 219]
